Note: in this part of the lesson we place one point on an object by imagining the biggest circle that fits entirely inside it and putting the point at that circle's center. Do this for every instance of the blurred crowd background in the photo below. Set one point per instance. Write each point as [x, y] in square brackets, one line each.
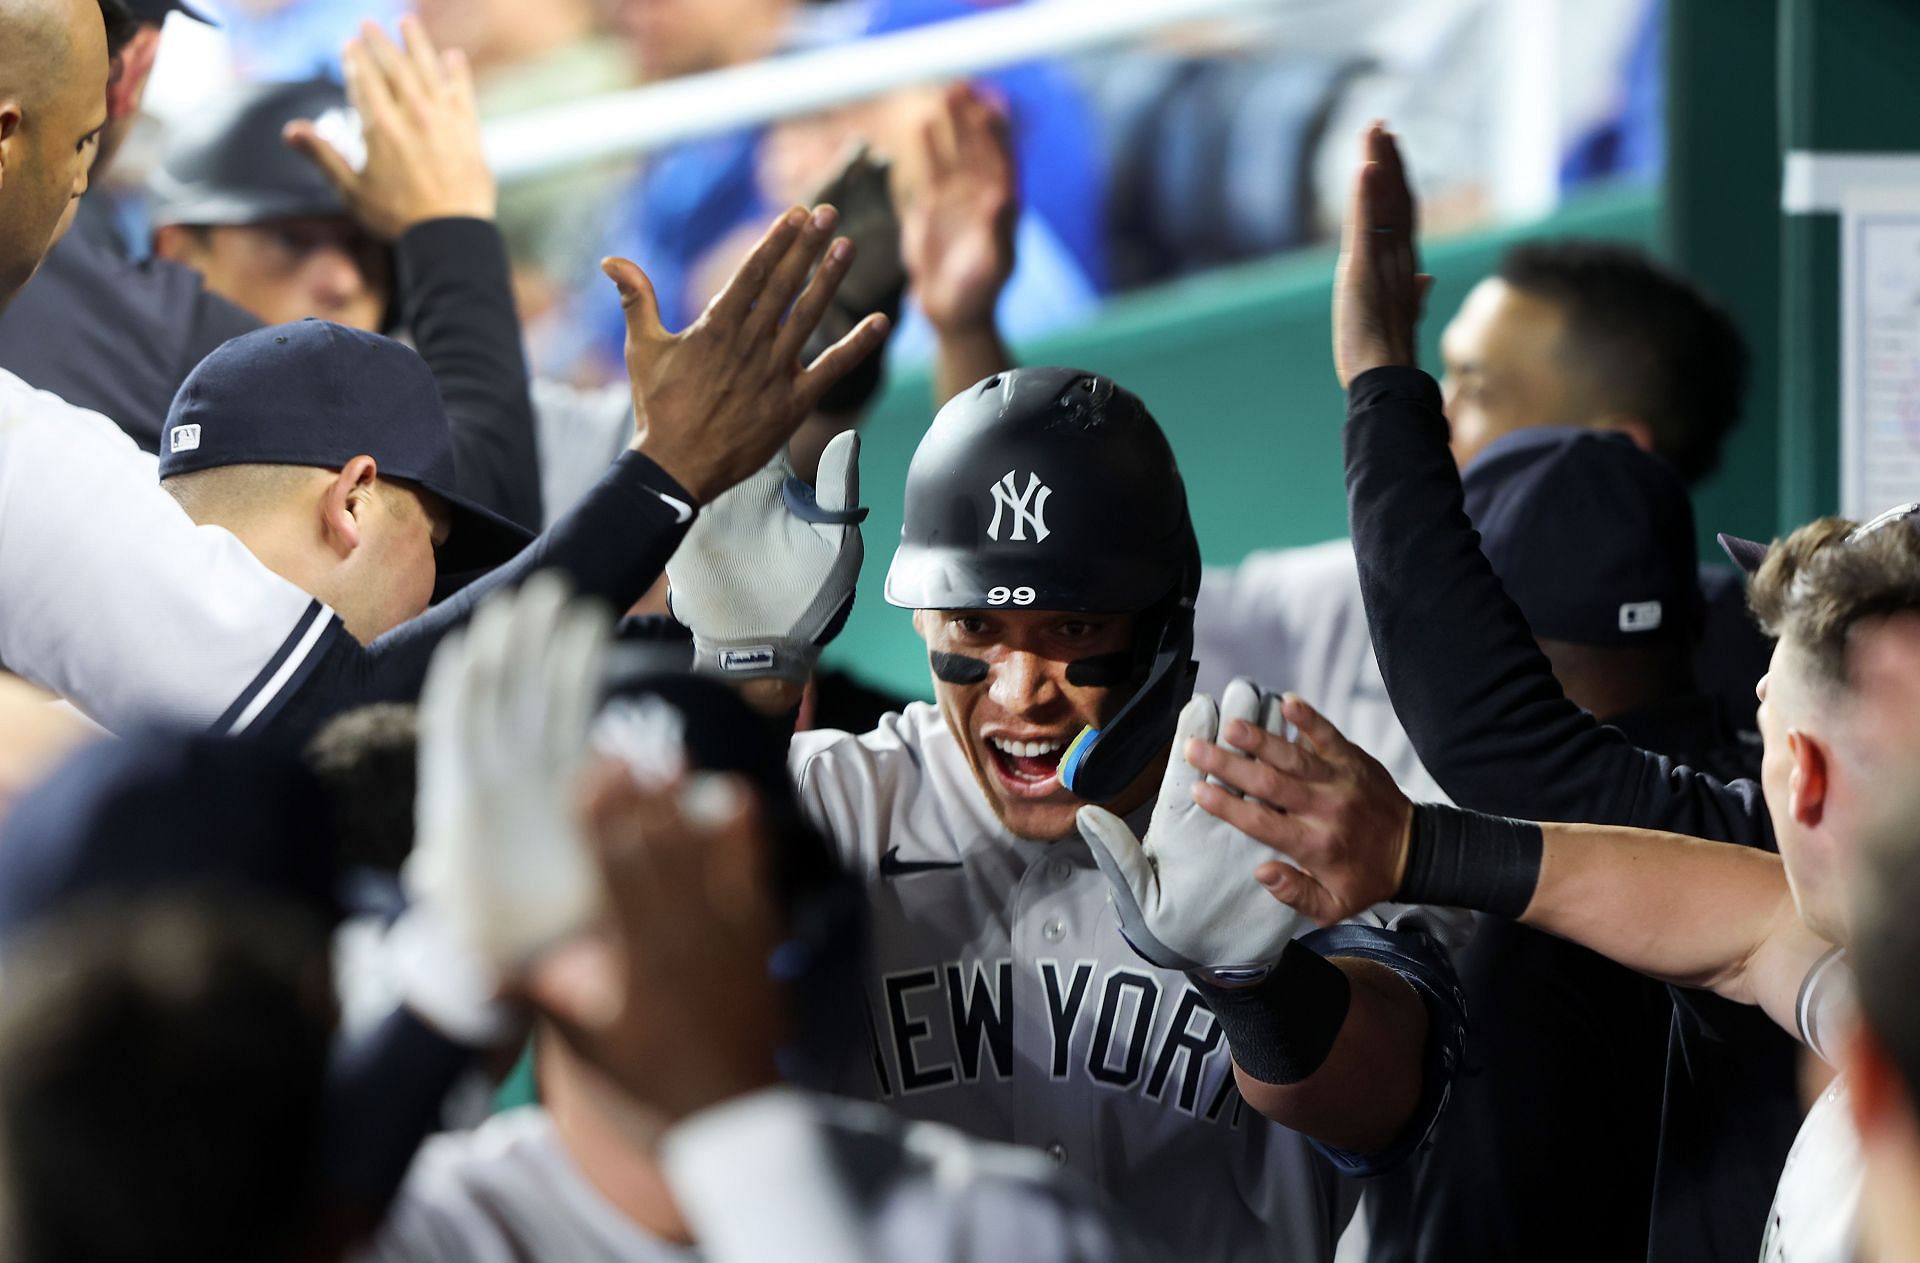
[1208, 145]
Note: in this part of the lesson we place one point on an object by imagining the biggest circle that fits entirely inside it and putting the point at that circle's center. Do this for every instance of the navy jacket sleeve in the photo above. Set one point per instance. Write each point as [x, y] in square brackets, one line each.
[1477, 698]
[452, 278]
[612, 545]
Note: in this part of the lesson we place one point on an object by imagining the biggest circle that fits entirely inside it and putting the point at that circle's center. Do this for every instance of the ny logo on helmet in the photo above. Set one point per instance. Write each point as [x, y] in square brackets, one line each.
[1027, 508]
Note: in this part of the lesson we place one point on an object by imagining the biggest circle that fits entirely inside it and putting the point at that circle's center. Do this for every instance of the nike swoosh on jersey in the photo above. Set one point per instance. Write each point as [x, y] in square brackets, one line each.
[891, 865]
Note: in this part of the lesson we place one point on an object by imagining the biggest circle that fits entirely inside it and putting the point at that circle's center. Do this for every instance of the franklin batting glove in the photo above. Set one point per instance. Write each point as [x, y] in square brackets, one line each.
[766, 575]
[1186, 897]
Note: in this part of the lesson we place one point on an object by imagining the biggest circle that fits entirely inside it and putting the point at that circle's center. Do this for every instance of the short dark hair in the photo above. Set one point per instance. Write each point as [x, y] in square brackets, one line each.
[1820, 581]
[1646, 338]
[162, 1078]
[122, 25]
[368, 761]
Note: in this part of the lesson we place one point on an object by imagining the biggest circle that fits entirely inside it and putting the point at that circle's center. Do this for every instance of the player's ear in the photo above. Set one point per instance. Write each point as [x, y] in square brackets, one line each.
[1807, 778]
[127, 79]
[9, 134]
[345, 503]
[177, 243]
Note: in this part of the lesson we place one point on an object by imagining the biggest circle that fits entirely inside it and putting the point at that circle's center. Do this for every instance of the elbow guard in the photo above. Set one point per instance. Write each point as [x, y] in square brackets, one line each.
[1426, 967]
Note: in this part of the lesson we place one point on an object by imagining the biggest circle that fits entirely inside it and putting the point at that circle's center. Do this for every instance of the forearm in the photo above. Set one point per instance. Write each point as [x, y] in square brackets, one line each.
[1685, 911]
[1364, 1094]
[966, 356]
[1478, 700]
[458, 302]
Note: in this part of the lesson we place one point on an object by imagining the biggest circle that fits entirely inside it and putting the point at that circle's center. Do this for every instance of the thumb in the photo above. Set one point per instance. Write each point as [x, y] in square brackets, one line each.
[305, 139]
[636, 297]
[836, 486]
[1298, 891]
[1119, 854]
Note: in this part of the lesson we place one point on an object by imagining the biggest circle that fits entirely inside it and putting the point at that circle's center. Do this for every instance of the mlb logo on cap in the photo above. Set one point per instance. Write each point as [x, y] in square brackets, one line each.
[184, 438]
[1640, 616]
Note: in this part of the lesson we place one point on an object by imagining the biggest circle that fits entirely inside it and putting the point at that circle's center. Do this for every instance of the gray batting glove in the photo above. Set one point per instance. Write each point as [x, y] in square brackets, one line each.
[1186, 897]
[766, 575]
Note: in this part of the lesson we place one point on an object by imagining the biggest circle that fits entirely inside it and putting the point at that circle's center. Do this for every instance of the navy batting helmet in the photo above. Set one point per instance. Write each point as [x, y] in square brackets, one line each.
[1055, 489]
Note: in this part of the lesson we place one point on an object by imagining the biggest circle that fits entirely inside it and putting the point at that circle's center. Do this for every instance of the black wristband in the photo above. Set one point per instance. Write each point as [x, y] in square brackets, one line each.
[1282, 1027]
[1463, 859]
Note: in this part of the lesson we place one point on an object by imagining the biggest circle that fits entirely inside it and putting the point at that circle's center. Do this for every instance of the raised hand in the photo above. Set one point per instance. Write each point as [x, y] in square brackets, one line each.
[714, 402]
[673, 1000]
[424, 157]
[765, 577]
[499, 860]
[957, 226]
[1187, 897]
[1321, 801]
[1378, 288]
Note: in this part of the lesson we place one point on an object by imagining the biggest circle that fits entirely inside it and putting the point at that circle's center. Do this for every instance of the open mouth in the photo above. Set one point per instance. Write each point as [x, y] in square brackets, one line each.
[1028, 768]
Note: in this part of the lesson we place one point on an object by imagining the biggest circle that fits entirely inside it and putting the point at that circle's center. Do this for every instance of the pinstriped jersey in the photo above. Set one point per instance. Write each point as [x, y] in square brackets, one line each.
[113, 598]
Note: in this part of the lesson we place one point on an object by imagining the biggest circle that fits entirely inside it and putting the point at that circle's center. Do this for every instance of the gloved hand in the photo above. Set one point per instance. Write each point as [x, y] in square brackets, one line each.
[860, 188]
[766, 575]
[500, 866]
[1187, 898]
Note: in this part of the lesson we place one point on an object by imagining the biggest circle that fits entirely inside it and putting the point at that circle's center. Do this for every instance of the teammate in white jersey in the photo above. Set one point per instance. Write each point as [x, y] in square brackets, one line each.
[110, 595]
[1050, 559]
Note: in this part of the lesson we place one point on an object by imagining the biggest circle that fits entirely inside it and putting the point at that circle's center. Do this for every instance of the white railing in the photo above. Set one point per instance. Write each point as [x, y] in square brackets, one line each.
[633, 122]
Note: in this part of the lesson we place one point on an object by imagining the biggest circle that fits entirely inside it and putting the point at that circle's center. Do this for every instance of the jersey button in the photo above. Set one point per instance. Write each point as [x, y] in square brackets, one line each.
[1058, 1152]
[1054, 930]
[1059, 870]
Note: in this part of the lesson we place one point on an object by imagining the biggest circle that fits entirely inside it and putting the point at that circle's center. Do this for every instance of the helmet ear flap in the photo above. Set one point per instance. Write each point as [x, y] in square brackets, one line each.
[1102, 762]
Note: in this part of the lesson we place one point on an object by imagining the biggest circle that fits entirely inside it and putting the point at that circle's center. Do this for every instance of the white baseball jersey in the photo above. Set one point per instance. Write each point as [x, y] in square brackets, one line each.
[1816, 1205]
[1004, 1001]
[779, 1176]
[578, 432]
[1293, 619]
[113, 598]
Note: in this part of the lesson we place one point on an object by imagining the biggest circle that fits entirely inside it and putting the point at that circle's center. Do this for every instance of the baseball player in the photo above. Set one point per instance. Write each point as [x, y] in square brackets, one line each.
[1736, 920]
[401, 236]
[659, 1061]
[1040, 976]
[111, 597]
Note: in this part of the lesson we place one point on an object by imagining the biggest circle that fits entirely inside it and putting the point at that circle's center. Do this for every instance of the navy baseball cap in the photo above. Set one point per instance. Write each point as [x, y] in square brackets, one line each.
[1591, 536]
[318, 393]
[167, 811]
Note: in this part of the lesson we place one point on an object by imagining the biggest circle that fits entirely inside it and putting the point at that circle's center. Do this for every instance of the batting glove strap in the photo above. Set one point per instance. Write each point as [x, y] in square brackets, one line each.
[1427, 968]
[1282, 1026]
[1464, 859]
[766, 577]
